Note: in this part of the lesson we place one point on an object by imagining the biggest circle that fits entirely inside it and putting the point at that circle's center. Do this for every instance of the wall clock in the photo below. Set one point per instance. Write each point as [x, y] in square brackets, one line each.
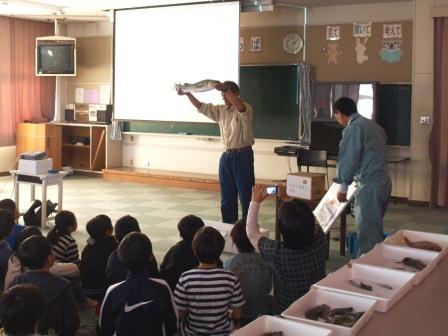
[292, 43]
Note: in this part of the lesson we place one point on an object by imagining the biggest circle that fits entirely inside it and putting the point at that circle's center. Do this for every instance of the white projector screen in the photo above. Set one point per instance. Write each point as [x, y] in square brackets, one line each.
[157, 47]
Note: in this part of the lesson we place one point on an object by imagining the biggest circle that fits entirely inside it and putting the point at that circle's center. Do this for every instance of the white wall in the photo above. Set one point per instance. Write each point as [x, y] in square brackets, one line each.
[197, 154]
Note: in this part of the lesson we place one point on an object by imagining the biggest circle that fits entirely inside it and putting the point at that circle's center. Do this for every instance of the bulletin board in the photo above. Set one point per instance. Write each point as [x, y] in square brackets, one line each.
[347, 67]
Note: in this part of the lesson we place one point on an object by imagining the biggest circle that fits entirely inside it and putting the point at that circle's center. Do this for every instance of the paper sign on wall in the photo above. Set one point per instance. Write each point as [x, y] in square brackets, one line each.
[105, 94]
[392, 31]
[91, 96]
[241, 44]
[333, 33]
[79, 96]
[255, 43]
[362, 29]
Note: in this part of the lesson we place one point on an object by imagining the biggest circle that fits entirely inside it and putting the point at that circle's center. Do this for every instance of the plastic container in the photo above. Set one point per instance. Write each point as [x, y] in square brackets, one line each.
[400, 282]
[397, 239]
[225, 229]
[317, 296]
[265, 324]
[389, 256]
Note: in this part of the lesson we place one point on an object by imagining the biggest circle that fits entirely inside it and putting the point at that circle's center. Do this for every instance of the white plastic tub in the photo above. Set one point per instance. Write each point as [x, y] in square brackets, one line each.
[265, 324]
[374, 276]
[389, 256]
[225, 229]
[317, 296]
[397, 239]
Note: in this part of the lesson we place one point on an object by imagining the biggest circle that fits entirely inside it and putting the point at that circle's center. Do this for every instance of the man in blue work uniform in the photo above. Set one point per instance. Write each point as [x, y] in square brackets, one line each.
[362, 158]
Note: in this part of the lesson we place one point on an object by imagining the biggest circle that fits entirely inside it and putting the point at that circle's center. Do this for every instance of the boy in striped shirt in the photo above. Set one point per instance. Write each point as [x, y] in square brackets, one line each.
[206, 295]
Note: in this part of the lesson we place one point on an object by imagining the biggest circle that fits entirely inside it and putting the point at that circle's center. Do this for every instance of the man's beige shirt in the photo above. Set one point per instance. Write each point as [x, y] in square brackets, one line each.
[235, 126]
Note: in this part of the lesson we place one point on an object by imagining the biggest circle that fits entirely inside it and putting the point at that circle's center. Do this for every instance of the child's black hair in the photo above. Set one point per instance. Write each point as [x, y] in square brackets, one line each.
[296, 224]
[7, 222]
[27, 232]
[135, 252]
[239, 237]
[208, 245]
[62, 223]
[99, 226]
[125, 225]
[34, 252]
[188, 226]
[21, 307]
[8, 204]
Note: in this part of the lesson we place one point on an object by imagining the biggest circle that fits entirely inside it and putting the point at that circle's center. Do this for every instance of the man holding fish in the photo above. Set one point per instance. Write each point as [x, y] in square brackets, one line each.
[236, 165]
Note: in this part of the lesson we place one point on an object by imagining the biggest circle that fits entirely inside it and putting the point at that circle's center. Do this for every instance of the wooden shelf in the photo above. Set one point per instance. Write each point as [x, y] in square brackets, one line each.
[75, 146]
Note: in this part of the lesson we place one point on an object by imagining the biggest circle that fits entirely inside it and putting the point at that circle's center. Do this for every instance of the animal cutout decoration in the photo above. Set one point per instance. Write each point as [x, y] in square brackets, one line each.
[360, 48]
[332, 52]
[391, 51]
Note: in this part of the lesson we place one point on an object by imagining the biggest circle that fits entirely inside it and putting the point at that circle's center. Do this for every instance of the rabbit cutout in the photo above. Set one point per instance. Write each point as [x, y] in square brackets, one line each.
[360, 49]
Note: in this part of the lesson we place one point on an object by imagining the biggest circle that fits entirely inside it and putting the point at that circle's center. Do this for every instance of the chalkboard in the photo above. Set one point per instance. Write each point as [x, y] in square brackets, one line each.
[271, 90]
[394, 112]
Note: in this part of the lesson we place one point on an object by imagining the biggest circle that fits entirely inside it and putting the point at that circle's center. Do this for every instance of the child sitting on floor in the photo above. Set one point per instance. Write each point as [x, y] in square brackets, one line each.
[219, 288]
[115, 271]
[9, 204]
[61, 315]
[6, 225]
[180, 257]
[63, 244]
[252, 272]
[15, 267]
[139, 305]
[94, 257]
[21, 308]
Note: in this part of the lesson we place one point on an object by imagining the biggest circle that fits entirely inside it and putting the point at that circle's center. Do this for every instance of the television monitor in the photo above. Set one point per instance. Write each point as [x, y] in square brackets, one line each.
[55, 56]
[326, 135]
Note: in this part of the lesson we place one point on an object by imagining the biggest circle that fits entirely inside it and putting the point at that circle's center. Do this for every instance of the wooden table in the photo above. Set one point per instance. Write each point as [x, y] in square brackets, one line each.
[44, 181]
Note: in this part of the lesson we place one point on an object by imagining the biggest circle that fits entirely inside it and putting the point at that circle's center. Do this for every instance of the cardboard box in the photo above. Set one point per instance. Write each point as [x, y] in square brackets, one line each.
[225, 229]
[35, 167]
[308, 186]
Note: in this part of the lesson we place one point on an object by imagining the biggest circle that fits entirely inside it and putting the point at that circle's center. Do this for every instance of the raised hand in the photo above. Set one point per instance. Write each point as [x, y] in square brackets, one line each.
[259, 193]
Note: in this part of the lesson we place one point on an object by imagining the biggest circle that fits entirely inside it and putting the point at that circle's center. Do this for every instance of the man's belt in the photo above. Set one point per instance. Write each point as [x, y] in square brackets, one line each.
[237, 150]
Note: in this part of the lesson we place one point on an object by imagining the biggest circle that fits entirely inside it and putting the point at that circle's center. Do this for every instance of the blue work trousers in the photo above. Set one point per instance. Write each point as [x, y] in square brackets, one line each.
[236, 178]
[371, 201]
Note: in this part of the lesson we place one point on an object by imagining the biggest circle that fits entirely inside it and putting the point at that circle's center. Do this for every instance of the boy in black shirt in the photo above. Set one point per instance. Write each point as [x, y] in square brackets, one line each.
[180, 258]
[139, 305]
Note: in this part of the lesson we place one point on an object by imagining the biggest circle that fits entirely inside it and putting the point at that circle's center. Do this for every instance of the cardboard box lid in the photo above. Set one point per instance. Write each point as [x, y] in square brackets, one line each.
[304, 174]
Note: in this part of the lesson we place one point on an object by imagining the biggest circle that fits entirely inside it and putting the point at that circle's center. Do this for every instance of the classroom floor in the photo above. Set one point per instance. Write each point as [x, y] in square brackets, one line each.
[158, 209]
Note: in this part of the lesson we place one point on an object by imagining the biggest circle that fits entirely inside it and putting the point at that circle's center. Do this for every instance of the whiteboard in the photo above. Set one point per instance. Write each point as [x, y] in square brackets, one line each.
[329, 208]
[157, 47]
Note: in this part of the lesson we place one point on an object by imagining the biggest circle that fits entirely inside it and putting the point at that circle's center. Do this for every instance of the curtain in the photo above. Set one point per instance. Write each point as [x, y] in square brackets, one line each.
[351, 91]
[326, 94]
[23, 96]
[305, 107]
[438, 144]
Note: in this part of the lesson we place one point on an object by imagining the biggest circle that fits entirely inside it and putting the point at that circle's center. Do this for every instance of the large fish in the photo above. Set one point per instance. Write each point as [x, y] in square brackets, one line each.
[424, 245]
[201, 86]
